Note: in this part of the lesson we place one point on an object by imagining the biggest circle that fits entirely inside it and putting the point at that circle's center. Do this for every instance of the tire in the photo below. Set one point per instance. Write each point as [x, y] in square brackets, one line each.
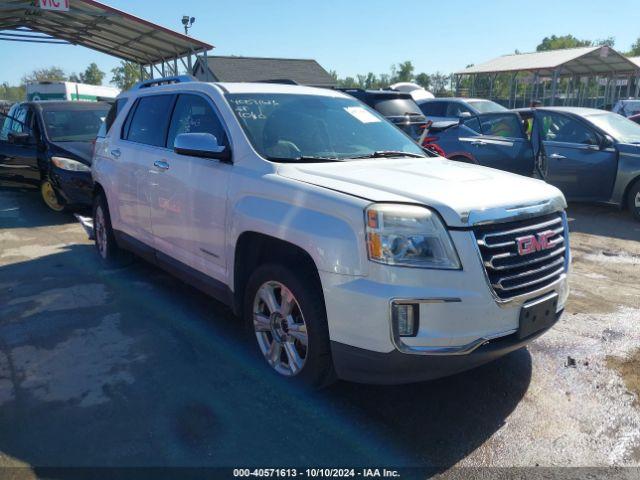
[105, 241]
[633, 200]
[272, 327]
[49, 195]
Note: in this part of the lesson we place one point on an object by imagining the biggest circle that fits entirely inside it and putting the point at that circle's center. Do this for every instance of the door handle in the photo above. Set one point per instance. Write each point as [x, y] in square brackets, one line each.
[557, 156]
[478, 143]
[115, 153]
[161, 164]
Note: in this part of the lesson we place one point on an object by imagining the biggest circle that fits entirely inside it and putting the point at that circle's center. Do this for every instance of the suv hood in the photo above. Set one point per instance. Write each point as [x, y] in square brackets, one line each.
[460, 192]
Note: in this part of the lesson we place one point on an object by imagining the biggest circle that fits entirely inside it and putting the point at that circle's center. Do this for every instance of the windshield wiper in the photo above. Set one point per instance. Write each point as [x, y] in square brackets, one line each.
[388, 154]
[303, 159]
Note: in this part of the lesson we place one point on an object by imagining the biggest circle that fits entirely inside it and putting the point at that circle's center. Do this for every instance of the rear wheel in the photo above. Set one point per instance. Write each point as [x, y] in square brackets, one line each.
[105, 240]
[633, 199]
[287, 315]
[50, 196]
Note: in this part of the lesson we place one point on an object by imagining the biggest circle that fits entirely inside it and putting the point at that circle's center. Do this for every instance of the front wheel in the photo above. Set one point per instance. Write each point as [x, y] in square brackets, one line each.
[287, 315]
[634, 200]
[50, 196]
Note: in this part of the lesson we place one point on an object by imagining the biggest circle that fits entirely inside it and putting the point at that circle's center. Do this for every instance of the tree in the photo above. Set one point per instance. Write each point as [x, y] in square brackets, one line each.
[635, 49]
[566, 41]
[51, 74]
[92, 75]
[424, 80]
[605, 42]
[402, 72]
[439, 82]
[125, 75]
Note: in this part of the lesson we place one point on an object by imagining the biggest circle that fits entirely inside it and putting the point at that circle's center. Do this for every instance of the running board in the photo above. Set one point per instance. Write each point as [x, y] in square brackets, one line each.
[87, 224]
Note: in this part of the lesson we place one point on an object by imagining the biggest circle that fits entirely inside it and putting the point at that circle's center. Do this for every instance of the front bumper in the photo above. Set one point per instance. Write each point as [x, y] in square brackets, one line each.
[75, 188]
[365, 366]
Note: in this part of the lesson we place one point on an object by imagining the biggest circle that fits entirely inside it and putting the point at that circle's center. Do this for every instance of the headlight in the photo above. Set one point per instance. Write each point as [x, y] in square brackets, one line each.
[71, 165]
[408, 235]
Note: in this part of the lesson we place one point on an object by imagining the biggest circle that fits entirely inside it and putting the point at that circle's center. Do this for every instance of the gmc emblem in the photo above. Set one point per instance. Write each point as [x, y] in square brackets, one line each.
[535, 243]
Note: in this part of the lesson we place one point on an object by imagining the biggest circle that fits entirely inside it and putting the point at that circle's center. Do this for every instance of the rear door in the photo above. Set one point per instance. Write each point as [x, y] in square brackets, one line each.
[434, 110]
[498, 140]
[189, 193]
[19, 161]
[570, 156]
[140, 144]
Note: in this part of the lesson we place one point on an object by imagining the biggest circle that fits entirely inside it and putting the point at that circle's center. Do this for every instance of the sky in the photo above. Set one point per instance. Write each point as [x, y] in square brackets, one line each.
[356, 36]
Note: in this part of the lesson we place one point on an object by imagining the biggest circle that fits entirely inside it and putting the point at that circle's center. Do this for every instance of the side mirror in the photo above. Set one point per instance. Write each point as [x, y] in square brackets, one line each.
[203, 145]
[21, 138]
[607, 142]
[464, 115]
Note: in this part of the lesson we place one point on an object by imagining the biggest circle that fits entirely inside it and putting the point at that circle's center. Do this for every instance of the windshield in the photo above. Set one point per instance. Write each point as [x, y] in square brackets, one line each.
[619, 127]
[74, 125]
[292, 127]
[486, 106]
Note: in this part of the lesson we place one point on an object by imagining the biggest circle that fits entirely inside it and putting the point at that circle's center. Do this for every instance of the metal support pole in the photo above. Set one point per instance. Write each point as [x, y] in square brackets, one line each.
[205, 66]
[554, 86]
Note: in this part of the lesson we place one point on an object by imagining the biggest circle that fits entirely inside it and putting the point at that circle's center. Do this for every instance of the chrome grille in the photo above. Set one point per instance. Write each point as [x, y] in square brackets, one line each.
[512, 272]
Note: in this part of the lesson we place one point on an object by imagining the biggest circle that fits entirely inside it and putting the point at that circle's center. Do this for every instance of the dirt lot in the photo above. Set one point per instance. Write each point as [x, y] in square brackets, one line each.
[130, 367]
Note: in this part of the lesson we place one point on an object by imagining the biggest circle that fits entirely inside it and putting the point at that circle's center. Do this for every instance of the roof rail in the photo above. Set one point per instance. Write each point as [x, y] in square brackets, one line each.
[154, 82]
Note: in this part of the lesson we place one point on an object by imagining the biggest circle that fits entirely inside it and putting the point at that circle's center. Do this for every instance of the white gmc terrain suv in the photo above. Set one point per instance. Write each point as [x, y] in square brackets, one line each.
[349, 251]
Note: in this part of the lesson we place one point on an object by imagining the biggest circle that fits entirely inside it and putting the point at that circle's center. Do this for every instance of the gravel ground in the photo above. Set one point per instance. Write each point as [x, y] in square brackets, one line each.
[129, 367]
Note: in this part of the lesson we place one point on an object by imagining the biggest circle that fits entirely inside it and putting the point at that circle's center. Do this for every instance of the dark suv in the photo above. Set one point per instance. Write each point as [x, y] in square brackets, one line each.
[50, 145]
[397, 107]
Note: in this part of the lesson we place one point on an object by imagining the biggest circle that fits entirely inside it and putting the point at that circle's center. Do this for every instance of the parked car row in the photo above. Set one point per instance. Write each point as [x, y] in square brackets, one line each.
[590, 155]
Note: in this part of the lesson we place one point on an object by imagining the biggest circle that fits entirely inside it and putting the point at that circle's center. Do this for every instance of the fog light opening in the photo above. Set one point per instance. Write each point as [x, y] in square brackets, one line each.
[406, 319]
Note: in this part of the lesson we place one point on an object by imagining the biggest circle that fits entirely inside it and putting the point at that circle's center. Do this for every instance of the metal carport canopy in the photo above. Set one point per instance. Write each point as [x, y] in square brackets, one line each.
[103, 28]
[571, 61]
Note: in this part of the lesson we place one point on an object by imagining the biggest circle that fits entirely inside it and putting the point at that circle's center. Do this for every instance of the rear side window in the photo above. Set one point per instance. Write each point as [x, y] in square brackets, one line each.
[457, 109]
[433, 109]
[192, 114]
[112, 115]
[147, 121]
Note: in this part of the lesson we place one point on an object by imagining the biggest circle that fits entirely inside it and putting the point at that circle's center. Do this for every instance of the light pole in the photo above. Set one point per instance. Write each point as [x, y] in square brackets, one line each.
[187, 22]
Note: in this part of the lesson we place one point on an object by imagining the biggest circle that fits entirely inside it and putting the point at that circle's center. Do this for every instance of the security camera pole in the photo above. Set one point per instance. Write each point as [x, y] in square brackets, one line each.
[187, 21]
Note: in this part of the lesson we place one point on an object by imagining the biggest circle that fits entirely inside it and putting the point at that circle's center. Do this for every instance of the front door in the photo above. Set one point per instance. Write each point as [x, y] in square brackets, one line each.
[189, 193]
[19, 160]
[571, 158]
[499, 141]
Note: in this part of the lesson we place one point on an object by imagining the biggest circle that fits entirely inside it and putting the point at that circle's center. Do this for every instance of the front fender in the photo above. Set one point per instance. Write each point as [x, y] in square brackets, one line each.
[628, 171]
[332, 240]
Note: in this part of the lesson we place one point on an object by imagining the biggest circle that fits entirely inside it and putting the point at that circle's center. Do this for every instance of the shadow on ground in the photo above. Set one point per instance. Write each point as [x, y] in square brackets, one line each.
[22, 207]
[131, 368]
[603, 220]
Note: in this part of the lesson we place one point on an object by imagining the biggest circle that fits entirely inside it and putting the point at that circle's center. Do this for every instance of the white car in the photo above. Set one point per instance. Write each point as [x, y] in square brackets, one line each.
[351, 252]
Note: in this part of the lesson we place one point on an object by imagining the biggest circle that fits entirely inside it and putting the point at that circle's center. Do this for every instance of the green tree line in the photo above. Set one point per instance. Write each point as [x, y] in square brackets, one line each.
[127, 74]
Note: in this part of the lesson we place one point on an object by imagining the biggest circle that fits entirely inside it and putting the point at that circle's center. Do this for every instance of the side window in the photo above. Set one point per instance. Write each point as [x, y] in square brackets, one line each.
[560, 128]
[456, 109]
[193, 114]
[474, 124]
[434, 109]
[507, 125]
[18, 125]
[6, 123]
[148, 123]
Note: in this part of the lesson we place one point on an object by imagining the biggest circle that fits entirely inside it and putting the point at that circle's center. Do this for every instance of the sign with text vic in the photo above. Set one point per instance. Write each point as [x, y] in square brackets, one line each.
[58, 5]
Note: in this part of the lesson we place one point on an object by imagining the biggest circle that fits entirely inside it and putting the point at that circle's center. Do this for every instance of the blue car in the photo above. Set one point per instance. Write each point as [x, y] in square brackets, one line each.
[591, 155]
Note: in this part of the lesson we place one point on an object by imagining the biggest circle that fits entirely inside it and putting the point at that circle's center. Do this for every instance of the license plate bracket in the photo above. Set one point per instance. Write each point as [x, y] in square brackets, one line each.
[537, 315]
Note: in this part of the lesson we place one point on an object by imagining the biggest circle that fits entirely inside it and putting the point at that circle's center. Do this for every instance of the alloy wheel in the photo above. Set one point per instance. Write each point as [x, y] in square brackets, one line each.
[637, 200]
[280, 328]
